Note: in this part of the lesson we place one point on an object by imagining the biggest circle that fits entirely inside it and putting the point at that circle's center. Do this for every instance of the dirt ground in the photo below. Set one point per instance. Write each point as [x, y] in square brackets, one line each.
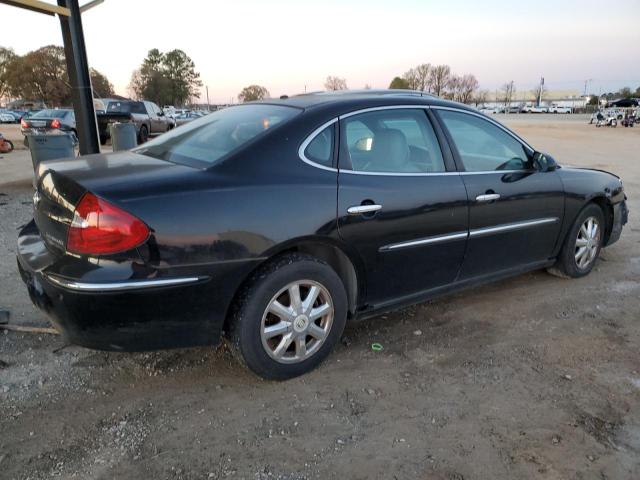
[533, 377]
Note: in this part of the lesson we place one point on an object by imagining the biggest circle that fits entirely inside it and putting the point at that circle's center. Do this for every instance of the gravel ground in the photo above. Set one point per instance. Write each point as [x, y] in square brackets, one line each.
[533, 377]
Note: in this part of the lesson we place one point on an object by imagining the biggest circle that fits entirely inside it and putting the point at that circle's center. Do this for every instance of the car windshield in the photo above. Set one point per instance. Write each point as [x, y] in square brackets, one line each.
[51, 114]
[204, 141]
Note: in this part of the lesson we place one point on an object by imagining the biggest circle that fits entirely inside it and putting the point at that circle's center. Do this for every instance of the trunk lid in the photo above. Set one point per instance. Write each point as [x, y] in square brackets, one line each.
[39, 122]
[115, 177]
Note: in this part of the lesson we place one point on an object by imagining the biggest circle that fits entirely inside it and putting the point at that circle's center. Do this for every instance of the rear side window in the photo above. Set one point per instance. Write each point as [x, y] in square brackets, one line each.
[320, 149]
[138, 107]
[391, 141]
[203, 142]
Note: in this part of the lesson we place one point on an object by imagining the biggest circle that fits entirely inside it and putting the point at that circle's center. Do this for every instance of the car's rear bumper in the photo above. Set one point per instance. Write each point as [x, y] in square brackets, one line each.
[130, 314]
[620, 218]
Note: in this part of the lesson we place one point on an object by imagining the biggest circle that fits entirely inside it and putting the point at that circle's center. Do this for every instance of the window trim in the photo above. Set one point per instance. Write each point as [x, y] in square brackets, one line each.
[312, 136]
[459, 171]
[458, 159]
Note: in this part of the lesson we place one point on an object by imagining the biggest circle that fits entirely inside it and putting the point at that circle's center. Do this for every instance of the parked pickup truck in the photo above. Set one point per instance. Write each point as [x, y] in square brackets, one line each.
[148, 118]
[534, 109]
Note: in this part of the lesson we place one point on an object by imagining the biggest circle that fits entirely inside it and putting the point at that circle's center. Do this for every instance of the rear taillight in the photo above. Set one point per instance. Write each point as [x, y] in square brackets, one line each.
[55, 123]
[23, 124]
[100, 228]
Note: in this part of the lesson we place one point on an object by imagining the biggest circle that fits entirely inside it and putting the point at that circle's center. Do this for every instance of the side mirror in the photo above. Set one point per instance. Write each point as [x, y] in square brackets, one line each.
[544, 162]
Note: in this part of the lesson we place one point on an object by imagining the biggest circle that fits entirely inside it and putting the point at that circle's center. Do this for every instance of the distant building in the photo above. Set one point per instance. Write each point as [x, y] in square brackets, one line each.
[561, 98]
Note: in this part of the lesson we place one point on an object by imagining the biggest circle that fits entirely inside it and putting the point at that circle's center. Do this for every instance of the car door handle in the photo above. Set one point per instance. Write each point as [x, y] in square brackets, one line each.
[487, 197]
[360, 209]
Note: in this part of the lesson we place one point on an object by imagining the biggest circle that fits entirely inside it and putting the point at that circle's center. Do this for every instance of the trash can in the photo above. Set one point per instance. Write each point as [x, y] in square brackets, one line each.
[51, 147]
[123, 136]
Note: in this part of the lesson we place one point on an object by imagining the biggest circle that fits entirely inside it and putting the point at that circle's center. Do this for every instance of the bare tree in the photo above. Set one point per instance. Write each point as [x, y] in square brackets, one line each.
[439, 79]
[468, 86]
[481, 97]
[422, 76]
[454, 88]
[335, 83]
[508, 89]
[411, 79]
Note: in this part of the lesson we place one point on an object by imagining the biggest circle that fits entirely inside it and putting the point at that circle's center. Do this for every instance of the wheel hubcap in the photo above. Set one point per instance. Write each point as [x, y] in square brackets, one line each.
[587, 242]
[297, 321]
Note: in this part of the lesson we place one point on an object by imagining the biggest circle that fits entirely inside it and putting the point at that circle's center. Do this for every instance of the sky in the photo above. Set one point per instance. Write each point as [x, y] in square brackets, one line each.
[290, 45]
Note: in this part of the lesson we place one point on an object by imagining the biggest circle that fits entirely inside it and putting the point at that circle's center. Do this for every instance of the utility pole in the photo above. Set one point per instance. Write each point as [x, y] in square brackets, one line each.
[539, 99]
[76, 56]
[208, 108]
[586, 82]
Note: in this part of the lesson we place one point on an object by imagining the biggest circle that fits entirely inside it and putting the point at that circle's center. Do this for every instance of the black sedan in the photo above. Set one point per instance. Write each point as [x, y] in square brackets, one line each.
[48, 120]
[277, 222]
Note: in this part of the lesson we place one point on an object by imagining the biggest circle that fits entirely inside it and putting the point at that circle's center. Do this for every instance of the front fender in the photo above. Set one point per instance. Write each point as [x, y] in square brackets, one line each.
[583, 186]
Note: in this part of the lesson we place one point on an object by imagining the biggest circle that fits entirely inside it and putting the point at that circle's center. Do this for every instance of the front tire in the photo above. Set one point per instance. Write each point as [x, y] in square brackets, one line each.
[289, 317]
[582, 245]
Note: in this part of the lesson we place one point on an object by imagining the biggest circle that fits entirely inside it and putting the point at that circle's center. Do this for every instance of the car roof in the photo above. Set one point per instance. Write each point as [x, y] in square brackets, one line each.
[350, 98]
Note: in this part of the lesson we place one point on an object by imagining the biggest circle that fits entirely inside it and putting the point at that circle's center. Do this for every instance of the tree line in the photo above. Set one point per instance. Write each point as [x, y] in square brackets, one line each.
[42, 75]
[438, 80]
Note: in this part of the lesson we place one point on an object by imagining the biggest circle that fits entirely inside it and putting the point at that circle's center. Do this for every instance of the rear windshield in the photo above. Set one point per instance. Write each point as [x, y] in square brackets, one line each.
[51, 114]
[202, 142]
[126, 107]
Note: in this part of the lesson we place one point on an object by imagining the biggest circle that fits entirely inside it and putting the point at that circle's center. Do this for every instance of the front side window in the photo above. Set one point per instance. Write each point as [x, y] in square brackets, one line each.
[391, 141]
[482, 146]
[320, 149]
[203, 142]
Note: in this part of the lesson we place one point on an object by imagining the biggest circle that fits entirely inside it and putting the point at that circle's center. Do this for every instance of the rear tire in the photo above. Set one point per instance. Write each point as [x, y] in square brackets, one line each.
[280, 334]
[10, 143]
[582, 245]
[143, 135]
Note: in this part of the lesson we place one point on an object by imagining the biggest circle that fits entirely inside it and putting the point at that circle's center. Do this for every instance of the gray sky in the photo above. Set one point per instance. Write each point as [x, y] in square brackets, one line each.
[287, 44]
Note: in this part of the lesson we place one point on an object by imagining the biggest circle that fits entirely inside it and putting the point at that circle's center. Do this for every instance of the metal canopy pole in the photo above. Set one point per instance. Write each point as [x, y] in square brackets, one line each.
[78, 67]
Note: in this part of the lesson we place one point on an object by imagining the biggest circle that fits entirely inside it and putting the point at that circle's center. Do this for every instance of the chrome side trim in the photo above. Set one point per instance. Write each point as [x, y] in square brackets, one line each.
[385, 107]
[479, 232]
[310, 139]
[120, 286]
[425, 241]
[432, 174]
[317, 131]
[399, 174]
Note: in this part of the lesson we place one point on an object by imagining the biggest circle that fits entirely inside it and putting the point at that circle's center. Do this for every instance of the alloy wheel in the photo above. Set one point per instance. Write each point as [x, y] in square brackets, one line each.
[297, 321]
[587, 242]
